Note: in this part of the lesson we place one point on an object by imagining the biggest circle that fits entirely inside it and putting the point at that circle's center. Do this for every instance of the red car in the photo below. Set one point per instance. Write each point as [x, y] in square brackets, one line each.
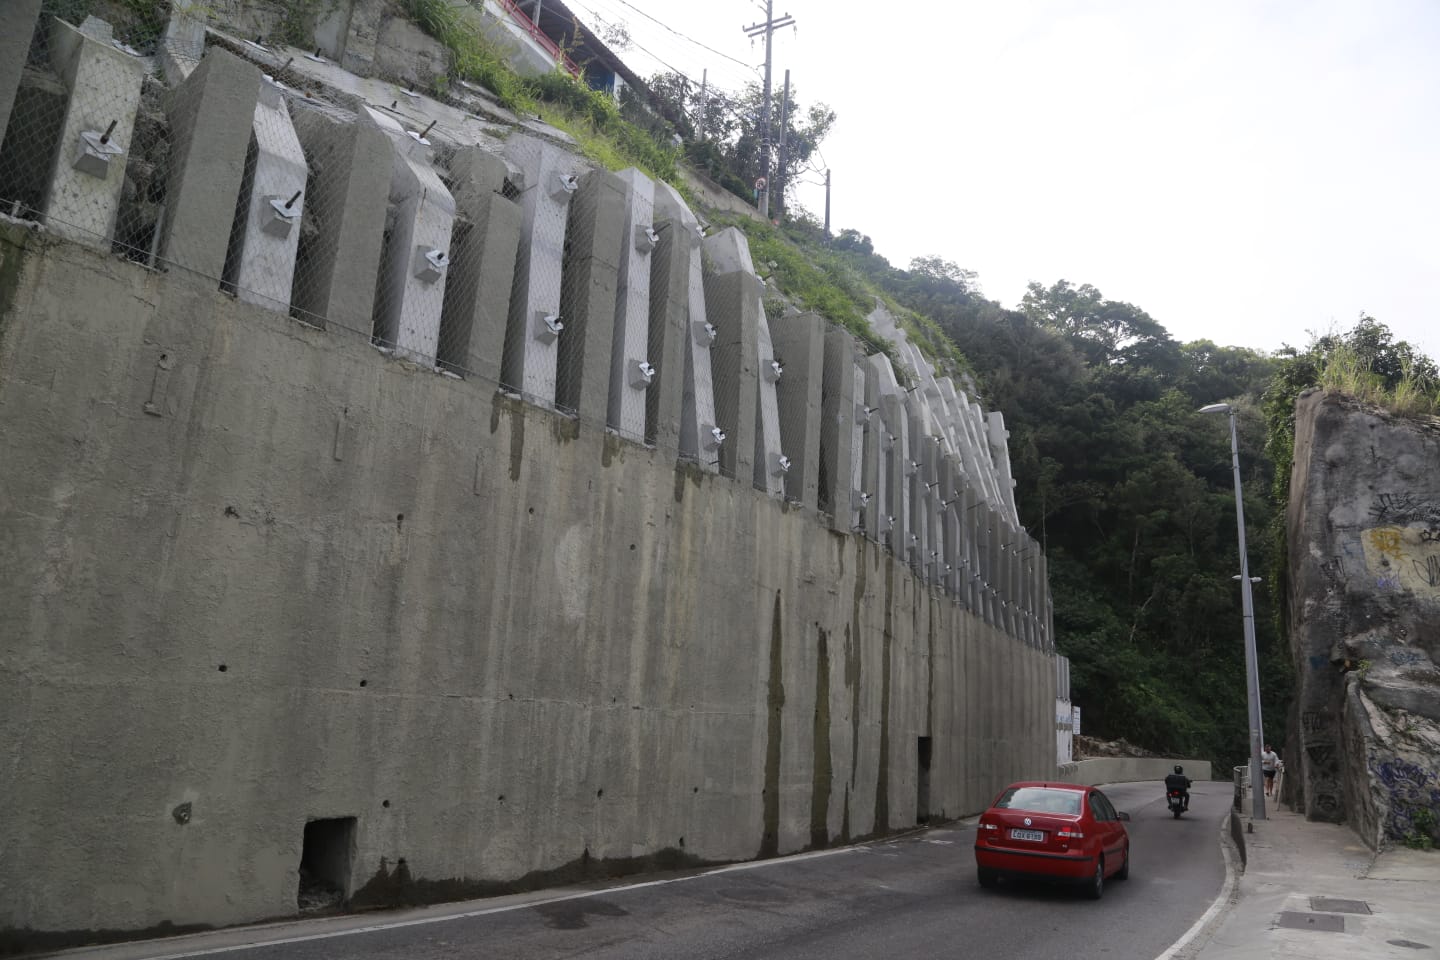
[1056, 830]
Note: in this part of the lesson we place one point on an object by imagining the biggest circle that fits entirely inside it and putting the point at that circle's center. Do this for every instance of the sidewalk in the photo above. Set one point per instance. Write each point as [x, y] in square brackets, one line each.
[1297, 870]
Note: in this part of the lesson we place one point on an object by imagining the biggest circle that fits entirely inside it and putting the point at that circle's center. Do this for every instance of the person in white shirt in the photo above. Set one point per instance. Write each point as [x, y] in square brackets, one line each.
[1269, 763]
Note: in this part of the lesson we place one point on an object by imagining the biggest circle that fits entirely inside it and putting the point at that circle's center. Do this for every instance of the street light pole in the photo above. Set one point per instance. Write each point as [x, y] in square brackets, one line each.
[1247, 605]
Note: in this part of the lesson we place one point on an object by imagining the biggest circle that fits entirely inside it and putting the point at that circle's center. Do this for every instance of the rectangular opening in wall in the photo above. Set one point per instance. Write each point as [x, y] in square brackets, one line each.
[922, 781]
[325, 862]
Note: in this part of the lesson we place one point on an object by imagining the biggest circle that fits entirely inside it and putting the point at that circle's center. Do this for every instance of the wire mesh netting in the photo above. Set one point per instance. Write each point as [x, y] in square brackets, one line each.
[497, 255]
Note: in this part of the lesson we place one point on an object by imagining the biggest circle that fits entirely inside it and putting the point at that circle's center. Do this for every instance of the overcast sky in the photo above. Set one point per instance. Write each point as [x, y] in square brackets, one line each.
[1245, 171]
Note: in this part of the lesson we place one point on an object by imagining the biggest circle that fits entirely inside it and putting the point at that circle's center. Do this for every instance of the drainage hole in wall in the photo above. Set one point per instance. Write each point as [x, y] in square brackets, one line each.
[600, 792]
[362, 683]
[501, 798]
[222, 668]
[231, 512]
[694, 789]
[632, 546]
[385, 804]
[682, 841]
[531, 511]
[325, 861]
[512, 696]
[399, 521]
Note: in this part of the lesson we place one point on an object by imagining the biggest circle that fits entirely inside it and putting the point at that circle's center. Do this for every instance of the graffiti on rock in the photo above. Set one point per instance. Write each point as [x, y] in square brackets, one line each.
[1409, 789]
[1402, 508]
[1430, 572]
[1402, 558]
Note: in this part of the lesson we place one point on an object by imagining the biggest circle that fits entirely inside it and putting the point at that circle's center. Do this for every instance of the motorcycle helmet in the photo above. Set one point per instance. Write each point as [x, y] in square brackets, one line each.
[1179, 769]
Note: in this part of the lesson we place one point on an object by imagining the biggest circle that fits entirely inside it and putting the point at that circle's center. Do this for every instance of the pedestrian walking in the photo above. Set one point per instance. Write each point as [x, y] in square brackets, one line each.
[1269, 763]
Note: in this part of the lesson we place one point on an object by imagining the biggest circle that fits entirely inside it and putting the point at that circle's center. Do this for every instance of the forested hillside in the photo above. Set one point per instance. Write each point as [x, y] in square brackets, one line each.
[1126, 485]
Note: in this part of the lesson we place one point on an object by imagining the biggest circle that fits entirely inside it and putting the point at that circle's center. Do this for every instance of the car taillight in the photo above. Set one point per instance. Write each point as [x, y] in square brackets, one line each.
[1071, 834]
[989, 826]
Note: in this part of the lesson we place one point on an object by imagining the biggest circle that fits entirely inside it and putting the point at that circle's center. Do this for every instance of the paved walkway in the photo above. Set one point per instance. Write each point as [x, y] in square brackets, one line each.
[1297, 870]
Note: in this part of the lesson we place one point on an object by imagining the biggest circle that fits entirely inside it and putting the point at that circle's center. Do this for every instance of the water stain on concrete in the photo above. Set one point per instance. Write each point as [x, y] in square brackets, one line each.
[820, 785]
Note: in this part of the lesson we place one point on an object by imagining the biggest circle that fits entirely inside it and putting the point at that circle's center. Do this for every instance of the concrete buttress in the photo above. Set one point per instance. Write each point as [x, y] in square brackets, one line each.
[410, 290]
[482, 275]
[210, 118]
[347, 195]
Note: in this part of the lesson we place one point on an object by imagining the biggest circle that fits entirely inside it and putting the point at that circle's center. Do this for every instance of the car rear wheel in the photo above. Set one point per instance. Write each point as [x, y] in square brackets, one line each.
[1095, 889]
[1124, 872]
[987, 877]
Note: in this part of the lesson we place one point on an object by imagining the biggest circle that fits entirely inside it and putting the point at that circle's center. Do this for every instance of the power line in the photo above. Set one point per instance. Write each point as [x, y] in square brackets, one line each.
[595, 11]
[683, 36]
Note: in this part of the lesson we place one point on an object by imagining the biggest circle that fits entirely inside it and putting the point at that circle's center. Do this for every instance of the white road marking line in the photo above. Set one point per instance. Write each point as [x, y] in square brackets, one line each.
[1232, 879]
[486, 911]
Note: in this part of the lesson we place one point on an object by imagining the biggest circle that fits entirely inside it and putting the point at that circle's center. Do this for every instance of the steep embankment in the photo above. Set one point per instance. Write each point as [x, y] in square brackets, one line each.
[1364, 543]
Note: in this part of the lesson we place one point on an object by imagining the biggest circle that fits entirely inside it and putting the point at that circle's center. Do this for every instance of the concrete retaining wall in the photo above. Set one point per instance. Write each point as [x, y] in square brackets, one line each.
[1129, 769]
[255, 573]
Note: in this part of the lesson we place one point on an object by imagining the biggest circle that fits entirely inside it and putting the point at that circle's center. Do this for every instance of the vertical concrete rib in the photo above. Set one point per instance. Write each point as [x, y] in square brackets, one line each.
[414, 267]
[547, 179]
[733, 304]
[589, 285]
[17, 26]
[697, 408]
[482, 273]
[872, 474]
[343, 227]
[83, 193]
[837, 438]
[772, 463]
[632, 369]
[261, 262]
[210, 116]
[800, 345]
[670, 269]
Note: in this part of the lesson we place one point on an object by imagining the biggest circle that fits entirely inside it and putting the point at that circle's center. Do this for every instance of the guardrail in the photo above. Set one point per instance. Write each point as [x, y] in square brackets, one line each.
[532, 28]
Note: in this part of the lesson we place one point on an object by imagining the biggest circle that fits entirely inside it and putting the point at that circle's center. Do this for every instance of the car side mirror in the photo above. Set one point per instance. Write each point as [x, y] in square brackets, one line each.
[1122, 815]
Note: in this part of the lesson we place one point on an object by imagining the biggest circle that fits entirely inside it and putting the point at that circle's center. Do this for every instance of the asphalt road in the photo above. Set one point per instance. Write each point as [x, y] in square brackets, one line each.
[913, 897]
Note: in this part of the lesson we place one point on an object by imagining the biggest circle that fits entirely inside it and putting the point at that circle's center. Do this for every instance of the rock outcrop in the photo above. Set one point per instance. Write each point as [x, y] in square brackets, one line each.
[1364, 588]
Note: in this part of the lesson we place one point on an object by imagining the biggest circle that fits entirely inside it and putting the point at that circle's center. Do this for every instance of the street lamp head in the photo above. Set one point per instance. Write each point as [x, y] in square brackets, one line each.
[1215, 408]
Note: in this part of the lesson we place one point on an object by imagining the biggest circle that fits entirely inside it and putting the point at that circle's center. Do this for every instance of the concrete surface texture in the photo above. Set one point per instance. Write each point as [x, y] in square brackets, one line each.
[83, 193]
[347, 195]
[679, 263]
[1364, 586]
[1129, 769]
[18, 19]
[415, 265]
[477, 300]
[267, 230]
[1313, 889]
[632, 370]
[547, 178]
[258, 575]
[590, 284]
[210, 116]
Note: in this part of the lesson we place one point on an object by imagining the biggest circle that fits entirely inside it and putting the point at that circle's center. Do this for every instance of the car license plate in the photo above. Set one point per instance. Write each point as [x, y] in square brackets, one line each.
[1033, 835]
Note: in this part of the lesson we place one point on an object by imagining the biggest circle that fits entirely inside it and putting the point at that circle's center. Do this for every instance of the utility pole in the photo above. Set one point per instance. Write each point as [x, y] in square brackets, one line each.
[827, 201]
[768, 28]
[780, 167]
[704, 101]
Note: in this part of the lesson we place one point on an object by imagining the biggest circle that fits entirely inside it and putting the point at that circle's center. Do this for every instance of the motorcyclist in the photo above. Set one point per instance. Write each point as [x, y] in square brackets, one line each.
[1178, 781]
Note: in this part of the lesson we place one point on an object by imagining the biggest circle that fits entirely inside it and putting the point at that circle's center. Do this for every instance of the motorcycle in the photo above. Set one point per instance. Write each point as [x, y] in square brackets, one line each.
[1176, 801]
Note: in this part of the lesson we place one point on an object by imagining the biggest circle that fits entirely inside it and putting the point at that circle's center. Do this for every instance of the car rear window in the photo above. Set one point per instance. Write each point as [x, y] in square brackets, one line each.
[1040, 800]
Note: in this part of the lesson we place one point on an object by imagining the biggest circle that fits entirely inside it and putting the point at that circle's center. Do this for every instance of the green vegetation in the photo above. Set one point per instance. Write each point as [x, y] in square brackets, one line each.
[1424, 829]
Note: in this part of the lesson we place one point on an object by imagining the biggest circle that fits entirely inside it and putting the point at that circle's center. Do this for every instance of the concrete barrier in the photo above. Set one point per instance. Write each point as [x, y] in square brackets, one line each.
[1128, 769]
